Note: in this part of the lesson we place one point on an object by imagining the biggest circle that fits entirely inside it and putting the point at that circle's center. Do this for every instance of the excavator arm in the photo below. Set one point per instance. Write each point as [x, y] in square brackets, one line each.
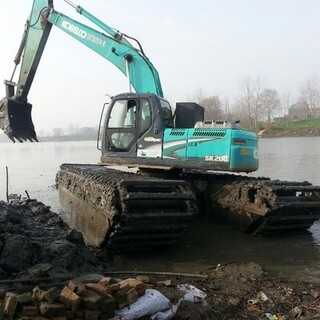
[15, 111]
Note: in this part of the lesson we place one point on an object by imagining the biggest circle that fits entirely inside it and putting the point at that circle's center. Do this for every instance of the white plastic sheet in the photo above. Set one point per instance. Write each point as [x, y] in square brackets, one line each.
[150, 303]
[156, 305]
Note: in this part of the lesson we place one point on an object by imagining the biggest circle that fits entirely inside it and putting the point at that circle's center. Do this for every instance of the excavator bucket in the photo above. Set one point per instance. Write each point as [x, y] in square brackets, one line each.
[16, 121]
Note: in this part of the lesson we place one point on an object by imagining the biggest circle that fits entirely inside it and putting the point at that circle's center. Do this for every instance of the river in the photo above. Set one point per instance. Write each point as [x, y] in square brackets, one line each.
[32, 168]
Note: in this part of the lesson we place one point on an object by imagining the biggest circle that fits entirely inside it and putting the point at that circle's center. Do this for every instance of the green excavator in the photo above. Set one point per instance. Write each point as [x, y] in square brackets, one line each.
[182, 159]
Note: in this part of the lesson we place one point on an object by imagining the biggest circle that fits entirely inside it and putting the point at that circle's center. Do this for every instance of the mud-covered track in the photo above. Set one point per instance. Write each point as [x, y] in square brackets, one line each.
[262, 206]
[123, 211]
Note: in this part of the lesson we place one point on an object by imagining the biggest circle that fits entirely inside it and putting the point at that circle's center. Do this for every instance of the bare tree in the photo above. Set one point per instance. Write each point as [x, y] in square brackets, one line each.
[213, 107]
[285, 104]
[57, 132]
[310, 93]
[226, 107]
[270, 102]
[249, 99]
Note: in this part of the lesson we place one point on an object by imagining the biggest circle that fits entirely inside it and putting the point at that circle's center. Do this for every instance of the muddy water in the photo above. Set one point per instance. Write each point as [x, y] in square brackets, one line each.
[32, 167]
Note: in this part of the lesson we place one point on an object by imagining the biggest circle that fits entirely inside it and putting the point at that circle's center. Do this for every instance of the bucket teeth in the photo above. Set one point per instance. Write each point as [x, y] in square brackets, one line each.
[16, 121]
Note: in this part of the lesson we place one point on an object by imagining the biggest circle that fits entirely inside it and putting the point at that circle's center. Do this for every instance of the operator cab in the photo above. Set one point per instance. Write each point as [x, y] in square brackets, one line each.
[133, 122]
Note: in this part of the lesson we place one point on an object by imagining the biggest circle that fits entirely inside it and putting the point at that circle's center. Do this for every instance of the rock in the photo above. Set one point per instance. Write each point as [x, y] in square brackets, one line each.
[52, 309]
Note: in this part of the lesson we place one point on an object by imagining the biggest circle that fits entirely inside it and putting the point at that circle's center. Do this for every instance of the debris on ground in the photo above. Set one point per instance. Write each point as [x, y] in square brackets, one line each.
[41, 260]
[127, 299]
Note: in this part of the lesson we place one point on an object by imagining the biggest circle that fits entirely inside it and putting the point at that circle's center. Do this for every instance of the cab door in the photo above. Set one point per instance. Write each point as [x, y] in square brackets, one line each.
[121, 132]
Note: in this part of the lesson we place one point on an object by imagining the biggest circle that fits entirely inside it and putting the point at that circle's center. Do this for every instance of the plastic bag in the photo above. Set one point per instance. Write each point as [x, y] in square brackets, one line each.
[192, 294]
[150, 303]
[156, 305]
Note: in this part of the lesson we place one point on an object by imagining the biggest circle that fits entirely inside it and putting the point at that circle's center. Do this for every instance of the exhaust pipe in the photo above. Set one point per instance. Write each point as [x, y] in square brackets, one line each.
[16, 121]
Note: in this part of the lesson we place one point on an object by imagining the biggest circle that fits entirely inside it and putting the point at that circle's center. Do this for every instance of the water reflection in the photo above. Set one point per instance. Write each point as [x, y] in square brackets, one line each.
[207, 244]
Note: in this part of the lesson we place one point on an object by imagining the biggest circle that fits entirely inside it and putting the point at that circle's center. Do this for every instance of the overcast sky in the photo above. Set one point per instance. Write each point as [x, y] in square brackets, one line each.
[195, 45]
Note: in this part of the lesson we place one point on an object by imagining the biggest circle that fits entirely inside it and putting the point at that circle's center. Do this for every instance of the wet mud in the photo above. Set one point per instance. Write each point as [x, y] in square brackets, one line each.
[36, 243]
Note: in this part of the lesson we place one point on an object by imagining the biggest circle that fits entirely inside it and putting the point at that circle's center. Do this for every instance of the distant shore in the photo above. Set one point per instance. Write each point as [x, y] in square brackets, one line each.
[298, 132]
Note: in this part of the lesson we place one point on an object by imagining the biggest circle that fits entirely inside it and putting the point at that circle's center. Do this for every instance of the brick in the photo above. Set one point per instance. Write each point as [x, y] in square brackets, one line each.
[122, 296]
[33, 318]
[107, 316]
[153, 281]
[122, 291]
[69, 298]
[70, 314]
[25, 298]
[141, 288]
[114, 287]
[51, 295]
[108, 281]
[79, 314]
[130, 282]
[9, 307]
[132, 295]
[30, 311]
[99, 289]
[58, 318]
[137, 284]
[91, 314]
[167, 283]
[108, 304]
[38, 294]
[52, 309]
[143, 278]
[91, 300]
[76, 286]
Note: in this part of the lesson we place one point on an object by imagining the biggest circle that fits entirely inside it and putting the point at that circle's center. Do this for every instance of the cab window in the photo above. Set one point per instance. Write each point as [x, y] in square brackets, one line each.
[123, 114]
[145, 116]
[166, 113]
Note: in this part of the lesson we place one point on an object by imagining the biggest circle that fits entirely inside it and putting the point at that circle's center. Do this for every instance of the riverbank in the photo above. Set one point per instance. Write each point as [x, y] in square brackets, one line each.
[36, 244]
[292, 128]
[298, 132]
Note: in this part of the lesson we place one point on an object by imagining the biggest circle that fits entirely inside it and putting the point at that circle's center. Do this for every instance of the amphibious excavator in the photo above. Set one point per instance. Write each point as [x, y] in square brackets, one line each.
[185, 164]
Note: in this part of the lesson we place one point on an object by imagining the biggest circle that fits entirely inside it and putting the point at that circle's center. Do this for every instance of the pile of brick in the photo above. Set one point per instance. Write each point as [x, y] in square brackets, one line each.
[90, 301]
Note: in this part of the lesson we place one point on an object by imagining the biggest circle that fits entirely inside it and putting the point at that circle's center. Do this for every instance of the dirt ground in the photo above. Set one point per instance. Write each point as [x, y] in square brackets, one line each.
[36, 243]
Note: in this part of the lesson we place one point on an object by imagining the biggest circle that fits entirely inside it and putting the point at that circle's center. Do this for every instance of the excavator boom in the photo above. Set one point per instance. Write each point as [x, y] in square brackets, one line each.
[15, 111]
